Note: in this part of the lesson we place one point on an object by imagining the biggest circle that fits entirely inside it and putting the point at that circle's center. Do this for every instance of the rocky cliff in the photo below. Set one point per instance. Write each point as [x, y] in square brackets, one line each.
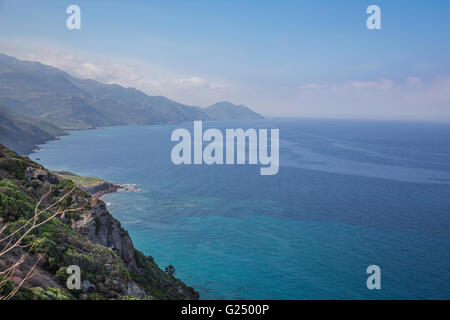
[92, 185]
[111, 268]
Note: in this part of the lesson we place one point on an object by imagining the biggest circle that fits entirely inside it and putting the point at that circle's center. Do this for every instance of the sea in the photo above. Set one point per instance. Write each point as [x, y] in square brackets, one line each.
[349, 194]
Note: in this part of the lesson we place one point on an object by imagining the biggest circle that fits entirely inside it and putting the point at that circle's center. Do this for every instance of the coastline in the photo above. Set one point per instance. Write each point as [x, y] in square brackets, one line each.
[96, 187]
[113, 188]
[113, 269]
[109, 188]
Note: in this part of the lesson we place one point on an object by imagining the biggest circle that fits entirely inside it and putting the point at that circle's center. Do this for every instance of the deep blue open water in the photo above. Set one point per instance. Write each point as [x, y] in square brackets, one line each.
[349, 194]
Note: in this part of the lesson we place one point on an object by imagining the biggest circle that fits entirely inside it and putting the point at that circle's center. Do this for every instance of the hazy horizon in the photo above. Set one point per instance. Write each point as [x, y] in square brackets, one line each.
[284, 59]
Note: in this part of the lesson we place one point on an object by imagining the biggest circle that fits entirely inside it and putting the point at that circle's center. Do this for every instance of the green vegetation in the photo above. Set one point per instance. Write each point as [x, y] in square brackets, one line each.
[84, 182]
[14, 203]
[5, 289]
[15, 166]
[50, 294]
[170, 270]
[24, 133]
[108, 271]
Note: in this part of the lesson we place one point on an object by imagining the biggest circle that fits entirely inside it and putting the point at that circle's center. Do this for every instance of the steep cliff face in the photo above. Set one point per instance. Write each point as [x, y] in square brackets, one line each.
[100, 227]
[111, 268]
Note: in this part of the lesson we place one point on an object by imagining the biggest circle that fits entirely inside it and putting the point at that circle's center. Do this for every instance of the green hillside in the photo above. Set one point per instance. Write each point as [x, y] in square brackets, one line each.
[85, 235]
[23, 133]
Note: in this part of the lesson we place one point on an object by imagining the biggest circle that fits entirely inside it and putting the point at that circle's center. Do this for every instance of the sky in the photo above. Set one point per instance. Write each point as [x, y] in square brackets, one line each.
[281, 58]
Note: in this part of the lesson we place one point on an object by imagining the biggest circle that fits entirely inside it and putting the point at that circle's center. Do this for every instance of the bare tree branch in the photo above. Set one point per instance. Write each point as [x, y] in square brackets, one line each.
[13, 243]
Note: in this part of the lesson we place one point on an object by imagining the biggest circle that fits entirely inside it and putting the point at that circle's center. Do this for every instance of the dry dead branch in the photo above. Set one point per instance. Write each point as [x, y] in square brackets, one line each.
[14, 241]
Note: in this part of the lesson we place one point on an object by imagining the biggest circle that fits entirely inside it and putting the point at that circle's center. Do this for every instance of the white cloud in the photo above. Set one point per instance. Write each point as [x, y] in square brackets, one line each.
[195, 90]
[382, 84]
[312, 86]
[412, 98]
[192, 82]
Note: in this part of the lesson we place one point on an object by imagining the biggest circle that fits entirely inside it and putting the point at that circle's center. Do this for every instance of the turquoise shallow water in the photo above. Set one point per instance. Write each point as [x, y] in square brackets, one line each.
[349, 194]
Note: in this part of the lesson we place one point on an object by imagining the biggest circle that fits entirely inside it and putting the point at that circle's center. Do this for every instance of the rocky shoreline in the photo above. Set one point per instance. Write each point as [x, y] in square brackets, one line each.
[84, 234]
[103, 189]
[109, 187]
[96, 187]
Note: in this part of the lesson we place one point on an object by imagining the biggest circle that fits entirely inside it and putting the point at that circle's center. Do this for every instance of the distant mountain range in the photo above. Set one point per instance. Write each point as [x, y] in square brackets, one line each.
[227, 111]
[40, 101]
[24, 133]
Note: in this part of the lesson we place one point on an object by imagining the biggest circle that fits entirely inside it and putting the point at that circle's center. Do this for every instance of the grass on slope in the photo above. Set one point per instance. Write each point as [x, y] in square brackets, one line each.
[84, 182]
